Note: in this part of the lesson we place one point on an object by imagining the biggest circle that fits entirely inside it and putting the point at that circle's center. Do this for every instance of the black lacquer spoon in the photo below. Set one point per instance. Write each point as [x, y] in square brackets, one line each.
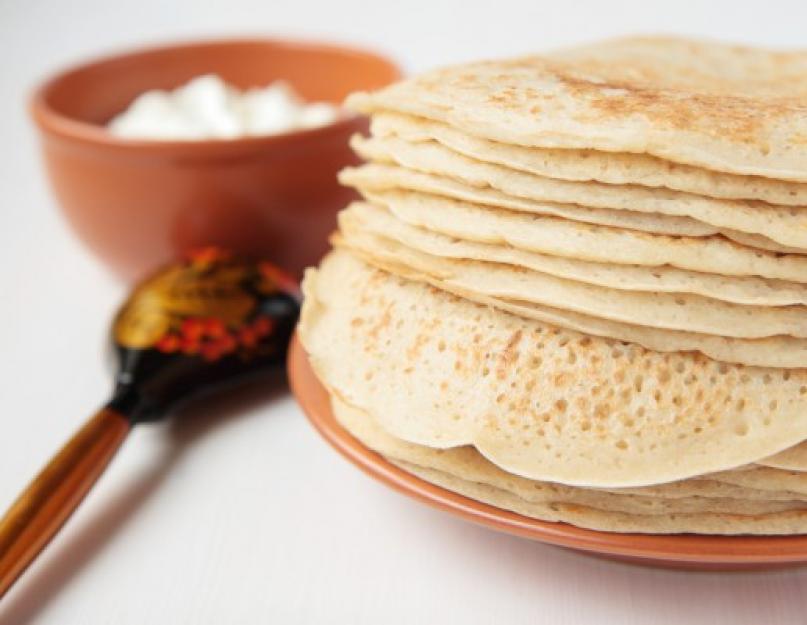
[206, 323]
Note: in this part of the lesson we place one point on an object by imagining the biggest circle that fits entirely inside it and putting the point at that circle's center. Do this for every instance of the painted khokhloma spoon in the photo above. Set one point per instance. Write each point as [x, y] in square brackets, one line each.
[207, 322]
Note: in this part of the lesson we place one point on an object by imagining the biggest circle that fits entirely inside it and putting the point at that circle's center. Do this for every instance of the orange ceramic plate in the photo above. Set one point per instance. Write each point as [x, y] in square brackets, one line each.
[673, 551]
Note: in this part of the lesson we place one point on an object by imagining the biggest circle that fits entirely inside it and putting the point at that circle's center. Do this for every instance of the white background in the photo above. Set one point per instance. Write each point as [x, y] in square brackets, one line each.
[240, 514]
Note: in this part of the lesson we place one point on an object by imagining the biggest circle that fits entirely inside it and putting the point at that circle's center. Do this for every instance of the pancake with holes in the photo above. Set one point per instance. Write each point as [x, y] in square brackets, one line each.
[576, 286]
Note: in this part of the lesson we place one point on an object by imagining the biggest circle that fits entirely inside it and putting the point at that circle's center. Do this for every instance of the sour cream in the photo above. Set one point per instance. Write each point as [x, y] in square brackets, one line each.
[209, 108]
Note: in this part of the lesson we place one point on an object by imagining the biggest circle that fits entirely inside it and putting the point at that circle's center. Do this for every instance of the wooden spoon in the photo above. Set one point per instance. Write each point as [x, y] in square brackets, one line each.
[208, 322]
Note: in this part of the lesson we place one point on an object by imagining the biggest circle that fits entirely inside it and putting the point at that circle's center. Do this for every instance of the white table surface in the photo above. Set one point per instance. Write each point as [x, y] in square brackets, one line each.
[241, 514]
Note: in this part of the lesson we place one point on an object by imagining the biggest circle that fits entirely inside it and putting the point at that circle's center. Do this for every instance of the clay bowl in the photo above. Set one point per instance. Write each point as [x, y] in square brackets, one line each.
[136, 204]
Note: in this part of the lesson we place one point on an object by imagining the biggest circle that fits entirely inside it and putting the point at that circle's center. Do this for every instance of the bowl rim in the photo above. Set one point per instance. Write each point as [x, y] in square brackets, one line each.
[50, 121]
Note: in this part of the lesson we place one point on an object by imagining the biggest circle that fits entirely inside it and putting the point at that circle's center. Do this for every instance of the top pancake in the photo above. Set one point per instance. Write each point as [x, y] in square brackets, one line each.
[725, 108]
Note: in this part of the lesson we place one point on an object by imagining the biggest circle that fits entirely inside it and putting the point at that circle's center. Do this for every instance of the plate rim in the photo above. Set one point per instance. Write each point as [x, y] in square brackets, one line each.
[679, 548]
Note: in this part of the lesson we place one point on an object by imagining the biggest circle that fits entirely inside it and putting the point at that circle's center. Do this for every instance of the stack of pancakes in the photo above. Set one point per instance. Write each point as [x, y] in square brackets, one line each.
[577, 286]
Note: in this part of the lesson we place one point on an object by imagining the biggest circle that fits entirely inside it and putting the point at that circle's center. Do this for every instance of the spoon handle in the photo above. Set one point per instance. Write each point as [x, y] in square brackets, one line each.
[56, 492]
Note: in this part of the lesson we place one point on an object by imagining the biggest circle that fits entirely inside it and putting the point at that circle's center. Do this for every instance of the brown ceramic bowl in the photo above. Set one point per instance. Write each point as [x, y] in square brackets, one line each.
[680, 551]
[137, 204]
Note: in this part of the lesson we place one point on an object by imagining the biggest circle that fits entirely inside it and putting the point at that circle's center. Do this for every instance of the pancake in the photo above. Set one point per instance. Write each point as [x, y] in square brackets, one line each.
[776, 352]
[571, 239]
[538, 401]
[385, 176]
[793, 459]
[785, 225]
[781, 523]
[466, 463]
[671, 311]
[766, 478]
[722, 107]
[618, 168]
[739, 290]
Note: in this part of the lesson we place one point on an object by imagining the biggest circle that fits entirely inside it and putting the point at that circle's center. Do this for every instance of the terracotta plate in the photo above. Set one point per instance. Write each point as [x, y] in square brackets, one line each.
[677, 551]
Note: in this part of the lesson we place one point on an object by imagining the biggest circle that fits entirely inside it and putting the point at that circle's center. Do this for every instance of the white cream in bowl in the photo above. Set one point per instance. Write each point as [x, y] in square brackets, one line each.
[208, 108]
